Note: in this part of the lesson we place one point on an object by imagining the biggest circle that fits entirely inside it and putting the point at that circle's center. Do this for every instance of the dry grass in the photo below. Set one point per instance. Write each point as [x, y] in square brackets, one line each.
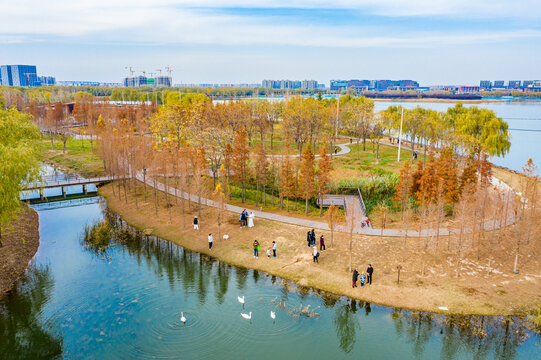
[476, 291]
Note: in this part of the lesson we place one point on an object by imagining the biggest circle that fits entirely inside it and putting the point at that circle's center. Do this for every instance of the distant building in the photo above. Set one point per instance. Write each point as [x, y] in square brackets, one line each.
[338, 85]
[377, 85]
[499, 84]
[485, 84]
[514, 84]
[136, 81]
[19, 75]
[527, 83]
[289, 84]
[47, 80]
[309, 84]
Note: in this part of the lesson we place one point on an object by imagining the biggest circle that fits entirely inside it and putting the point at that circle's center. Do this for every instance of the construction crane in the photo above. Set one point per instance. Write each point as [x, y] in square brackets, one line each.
[131, 70]
[169, 70]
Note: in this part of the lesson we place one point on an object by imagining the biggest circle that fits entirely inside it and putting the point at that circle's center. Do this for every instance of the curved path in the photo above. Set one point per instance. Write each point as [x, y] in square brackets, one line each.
[489, 225]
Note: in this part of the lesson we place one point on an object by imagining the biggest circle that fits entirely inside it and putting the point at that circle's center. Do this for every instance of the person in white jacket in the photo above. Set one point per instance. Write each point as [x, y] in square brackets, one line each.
[315, 253]
[210, 241]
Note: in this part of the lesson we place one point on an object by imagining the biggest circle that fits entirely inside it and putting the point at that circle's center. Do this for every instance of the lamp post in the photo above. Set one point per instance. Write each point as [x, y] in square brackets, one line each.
[145, 181]
[399, 267]
[400, 135]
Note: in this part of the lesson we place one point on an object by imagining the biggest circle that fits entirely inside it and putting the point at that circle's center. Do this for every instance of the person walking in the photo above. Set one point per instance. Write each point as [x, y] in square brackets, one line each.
[256, 249]
[309, 238]
[274, 246]
[369, 271]
[241, 219]
[322, 243]
[315, 254]
[313, 235]
[195, 223]
[210, 241]
[354, 278]
[362, 278]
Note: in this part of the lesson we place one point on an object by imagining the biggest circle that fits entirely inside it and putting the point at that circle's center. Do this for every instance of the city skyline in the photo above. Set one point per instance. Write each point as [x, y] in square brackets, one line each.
[235, 41]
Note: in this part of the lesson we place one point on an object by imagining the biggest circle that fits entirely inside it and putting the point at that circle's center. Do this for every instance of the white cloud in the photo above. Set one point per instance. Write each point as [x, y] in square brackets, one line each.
[183, 22]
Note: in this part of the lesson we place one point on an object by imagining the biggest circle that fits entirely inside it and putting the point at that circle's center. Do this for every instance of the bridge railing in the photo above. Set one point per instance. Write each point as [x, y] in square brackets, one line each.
[71, 179]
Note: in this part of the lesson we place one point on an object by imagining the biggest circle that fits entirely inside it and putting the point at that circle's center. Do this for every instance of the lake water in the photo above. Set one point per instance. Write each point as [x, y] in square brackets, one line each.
[523, 117]
[126, 303]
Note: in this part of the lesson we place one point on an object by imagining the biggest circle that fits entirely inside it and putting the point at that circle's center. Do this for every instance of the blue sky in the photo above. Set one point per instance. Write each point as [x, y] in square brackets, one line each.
[233, 41]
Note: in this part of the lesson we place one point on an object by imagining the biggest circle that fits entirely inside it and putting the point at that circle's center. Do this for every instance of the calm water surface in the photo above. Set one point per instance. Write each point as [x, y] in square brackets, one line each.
[126, 304]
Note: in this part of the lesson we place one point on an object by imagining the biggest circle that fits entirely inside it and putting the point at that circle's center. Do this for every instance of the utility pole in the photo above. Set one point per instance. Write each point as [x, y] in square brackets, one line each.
[400, 135]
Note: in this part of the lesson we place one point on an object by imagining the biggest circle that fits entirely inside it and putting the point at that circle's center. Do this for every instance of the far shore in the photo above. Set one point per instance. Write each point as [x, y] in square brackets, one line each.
[476, 291]
[436, 100]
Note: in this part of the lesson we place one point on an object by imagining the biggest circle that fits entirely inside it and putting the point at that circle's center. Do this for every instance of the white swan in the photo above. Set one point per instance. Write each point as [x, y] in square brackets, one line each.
[247, 316]
[273, 315]
[182, 318]
[240, 299]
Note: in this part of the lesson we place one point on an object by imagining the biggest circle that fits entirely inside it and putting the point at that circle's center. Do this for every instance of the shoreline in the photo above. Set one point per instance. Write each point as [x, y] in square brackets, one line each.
[21, 243]
[296, 263]
[437, 100]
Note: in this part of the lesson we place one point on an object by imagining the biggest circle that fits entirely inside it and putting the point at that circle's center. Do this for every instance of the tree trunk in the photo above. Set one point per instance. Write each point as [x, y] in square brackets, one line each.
[306, 211]
[272, 133]
[257, 194]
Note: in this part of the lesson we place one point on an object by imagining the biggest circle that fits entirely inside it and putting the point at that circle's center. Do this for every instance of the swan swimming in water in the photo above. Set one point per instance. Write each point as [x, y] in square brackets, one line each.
[247, 316]
[182, 318]
[273, 315]
[240, 299]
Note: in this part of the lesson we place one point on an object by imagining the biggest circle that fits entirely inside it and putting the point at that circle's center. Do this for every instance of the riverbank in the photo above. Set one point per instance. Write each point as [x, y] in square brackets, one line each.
[436, 100]
[482, 288]
[20, 244]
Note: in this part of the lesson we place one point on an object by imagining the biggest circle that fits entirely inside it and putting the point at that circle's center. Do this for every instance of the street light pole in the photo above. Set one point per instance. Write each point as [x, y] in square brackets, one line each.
[400, 135]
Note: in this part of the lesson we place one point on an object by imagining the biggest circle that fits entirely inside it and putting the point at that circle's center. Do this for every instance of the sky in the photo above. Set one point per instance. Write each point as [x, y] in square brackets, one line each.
[245, 41]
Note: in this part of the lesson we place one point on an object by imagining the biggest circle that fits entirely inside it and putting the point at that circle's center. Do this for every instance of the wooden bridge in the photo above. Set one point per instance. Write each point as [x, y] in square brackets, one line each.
[65, 180]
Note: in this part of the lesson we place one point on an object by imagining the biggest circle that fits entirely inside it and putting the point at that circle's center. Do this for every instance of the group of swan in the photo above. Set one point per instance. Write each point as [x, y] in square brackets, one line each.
[249, 315]
[244, 315]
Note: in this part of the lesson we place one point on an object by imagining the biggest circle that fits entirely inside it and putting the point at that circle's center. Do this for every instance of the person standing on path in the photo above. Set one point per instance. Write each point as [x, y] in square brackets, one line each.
[195, 223]
[322, 243]
[363, 278]
[251, 219]
[210, 241]
[274, 246]
[315, 254]
[354, 278]
[309, 238]
[256, 249]
[369, 271]
[313, 234]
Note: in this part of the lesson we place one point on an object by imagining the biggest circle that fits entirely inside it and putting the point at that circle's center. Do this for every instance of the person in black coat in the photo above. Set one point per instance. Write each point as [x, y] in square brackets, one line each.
[354, 278]
[369, 271]
[313, 237]
[309, 238]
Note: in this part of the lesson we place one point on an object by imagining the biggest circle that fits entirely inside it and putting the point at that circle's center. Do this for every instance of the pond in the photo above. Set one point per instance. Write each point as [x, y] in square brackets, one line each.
[125, 301]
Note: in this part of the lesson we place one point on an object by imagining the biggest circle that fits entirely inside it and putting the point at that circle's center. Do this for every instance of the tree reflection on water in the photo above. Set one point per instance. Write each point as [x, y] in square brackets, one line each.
[22, 335]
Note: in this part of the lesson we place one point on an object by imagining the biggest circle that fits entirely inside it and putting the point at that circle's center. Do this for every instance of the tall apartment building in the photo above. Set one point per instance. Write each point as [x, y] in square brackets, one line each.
[289, 84]
[19, 75]
[485, 84]
[380, 85]
[514, 84]
[47, 80]
[158, 81]
[499, 83]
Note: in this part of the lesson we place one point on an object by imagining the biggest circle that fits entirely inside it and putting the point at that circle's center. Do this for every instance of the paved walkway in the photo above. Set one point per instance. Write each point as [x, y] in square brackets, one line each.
[489, 225]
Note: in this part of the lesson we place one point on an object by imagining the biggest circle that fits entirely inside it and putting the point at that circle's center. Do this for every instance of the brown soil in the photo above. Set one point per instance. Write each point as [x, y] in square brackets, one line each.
[485, 286]
[20, 245]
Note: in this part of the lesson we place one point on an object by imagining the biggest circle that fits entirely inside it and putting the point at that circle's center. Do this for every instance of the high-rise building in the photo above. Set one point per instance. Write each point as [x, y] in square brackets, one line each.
[46, 80]
[527, 83]
[339, 85]
[309, 84]
[499, 83]
[19, 75]
[485, 84]
[514, 84]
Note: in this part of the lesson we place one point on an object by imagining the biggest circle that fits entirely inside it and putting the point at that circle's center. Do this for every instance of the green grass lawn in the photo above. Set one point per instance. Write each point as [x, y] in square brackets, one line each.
[78, 156]
[367, 159]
